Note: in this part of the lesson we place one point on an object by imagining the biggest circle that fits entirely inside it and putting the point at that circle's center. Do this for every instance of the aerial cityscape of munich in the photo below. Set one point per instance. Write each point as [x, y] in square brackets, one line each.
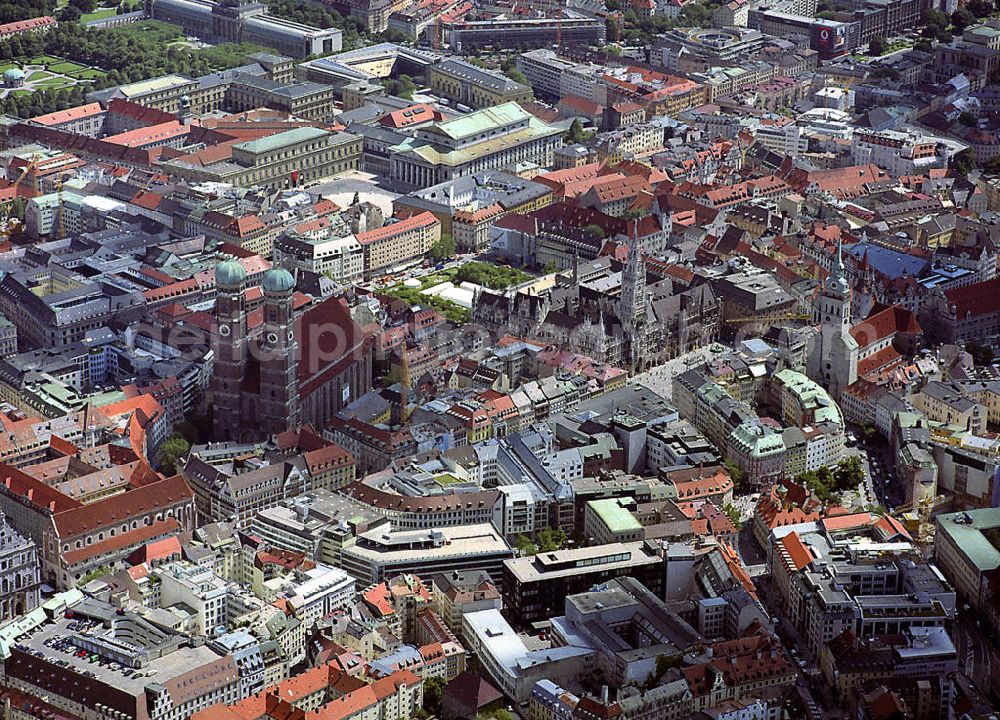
[499, 359]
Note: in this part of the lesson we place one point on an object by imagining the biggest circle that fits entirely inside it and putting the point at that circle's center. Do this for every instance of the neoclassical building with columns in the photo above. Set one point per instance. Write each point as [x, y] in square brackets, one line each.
[495, 138]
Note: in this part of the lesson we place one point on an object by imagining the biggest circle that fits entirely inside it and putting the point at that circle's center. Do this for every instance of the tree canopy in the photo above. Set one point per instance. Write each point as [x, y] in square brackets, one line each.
[321, 16]
[402, 86]
[826, 483]
[936, 24]
[173, 449]
[981, 8]
[443, 249]
[433, 693]
[491, 276]
[129, 53]
[964, 161]
[14, 10]
[576, 133]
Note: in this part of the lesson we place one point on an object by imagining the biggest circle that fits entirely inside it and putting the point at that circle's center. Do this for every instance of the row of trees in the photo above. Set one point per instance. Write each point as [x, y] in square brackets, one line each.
[642, 29]
[443, 248]
[129, 53]
[547, 540]
[43, 101]
[491, 276]
[940, 26]
[321, 16]
[402, 86]
[14, 10]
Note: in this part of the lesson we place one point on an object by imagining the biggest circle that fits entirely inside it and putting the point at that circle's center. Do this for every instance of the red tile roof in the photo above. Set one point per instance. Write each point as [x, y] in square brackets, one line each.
[145, 136]
[20, 26]
[122, 541]
[69, 114]
[886, 358]
[797, 552]
[416, 114]
[885, 324]
[580, 104]
[327, 336]
[121, 508]
[420, 220]
[980, 298]
[36, 492]
[326, 457]
[848, 522]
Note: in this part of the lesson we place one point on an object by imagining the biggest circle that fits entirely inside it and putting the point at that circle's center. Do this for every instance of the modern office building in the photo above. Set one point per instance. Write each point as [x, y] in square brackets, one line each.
[573, 29]
[534, 587]
[317, 524]
[381, 553]
[341, 258]
[965, 548]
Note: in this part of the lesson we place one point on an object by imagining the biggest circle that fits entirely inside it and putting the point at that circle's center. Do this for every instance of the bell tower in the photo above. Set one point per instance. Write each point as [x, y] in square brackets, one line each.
[834, 360]
[279, 356]
[231, 348]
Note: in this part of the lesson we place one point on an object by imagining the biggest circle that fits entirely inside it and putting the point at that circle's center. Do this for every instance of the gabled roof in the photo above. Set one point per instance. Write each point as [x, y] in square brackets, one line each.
[123, 507]
[799, 555]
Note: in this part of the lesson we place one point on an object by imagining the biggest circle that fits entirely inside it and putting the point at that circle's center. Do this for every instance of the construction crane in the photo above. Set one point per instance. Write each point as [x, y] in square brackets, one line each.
[61, 227]
[8, 222]
[925, 524]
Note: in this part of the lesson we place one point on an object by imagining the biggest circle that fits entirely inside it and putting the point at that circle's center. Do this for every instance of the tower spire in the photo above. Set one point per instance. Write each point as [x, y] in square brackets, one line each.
[398, 411]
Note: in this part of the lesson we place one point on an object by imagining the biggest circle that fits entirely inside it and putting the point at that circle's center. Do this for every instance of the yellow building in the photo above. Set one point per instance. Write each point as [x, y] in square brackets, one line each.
[398, 242]
[285, 159]
[477, 87]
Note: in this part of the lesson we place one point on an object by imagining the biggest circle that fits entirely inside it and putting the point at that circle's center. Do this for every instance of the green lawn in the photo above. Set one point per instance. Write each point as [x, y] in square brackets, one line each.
[99, 14]
[437, 278]
[87, 74]
[66, 67]
[38, 76]
[55, 82]
[44, 60]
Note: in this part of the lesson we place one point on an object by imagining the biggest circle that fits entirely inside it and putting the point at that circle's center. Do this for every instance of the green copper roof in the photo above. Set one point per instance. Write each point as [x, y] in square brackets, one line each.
[230, 273]
[278, 280]
[971, 537]
[614, 516]
[280, 140]
[481, 120]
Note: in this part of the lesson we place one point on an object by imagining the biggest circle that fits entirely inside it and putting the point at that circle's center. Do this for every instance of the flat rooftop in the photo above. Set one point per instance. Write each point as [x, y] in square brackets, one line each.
[566, 563]
[159, 670]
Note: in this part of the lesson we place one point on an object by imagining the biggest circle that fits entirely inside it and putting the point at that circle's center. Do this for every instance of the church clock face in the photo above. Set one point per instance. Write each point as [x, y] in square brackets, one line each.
[272, 338]
[291, 336]
[224, 330]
